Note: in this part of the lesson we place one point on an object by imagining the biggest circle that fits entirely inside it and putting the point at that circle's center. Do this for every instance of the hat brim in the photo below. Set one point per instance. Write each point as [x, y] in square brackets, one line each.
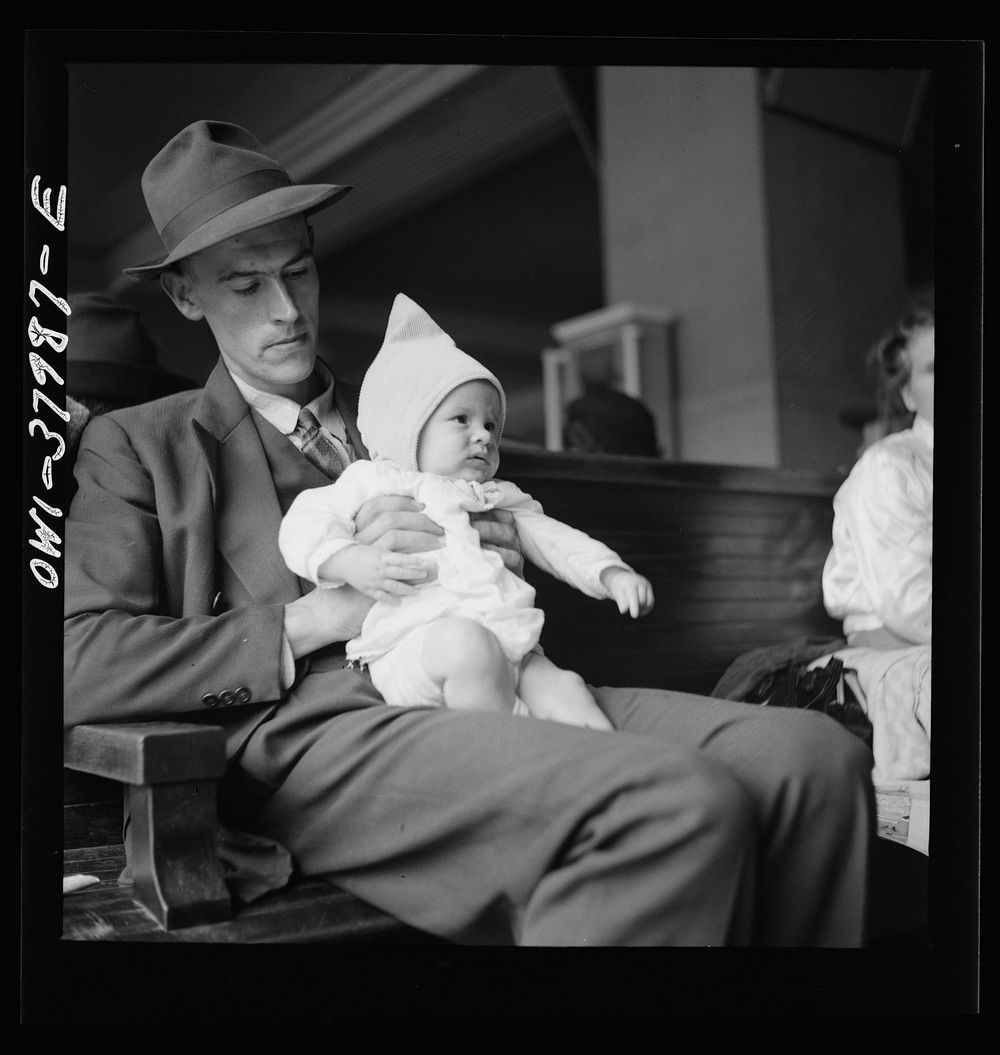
[256, 212]
[90, 379]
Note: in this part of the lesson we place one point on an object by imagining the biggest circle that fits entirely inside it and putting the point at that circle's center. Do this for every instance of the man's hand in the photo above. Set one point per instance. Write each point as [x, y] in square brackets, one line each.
[394, 522]
[632, 593]
[377, 573]
[497, 532]
[323, 616]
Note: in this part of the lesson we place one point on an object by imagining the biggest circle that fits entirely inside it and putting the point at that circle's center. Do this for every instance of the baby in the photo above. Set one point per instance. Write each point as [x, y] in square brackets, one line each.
[467, 638]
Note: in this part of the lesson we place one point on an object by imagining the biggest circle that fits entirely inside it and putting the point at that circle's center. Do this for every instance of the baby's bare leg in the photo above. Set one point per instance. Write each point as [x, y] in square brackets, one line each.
[559, 695]
[467, 661]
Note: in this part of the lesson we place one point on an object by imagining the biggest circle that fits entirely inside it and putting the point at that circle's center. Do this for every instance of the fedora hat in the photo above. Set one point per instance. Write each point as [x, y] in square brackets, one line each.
[212, 181]
[110, 355]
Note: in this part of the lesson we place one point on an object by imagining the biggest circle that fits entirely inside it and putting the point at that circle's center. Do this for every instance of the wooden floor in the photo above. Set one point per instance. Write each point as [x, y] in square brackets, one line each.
[310, 912]
[306, 912]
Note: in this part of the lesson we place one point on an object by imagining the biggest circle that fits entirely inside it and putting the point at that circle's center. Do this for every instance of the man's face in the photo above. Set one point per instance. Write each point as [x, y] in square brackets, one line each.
[460, 438]
[259, 294]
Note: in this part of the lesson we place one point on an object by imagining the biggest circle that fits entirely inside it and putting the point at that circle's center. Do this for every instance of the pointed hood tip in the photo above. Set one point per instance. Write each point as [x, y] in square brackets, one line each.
[417, 365]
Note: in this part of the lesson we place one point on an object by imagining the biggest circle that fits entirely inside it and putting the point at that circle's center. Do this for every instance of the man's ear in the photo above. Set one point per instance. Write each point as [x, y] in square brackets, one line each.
[177, 286]
[907, 397]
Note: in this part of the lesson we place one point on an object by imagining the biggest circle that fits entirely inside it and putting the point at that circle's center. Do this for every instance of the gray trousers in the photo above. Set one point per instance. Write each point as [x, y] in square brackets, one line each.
[697, 822]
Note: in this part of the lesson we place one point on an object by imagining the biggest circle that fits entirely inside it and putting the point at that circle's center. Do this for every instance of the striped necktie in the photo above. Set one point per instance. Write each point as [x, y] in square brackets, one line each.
[317, 447]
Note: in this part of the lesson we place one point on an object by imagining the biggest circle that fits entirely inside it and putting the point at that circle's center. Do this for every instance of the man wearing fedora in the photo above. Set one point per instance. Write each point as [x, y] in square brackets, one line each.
[695, 822]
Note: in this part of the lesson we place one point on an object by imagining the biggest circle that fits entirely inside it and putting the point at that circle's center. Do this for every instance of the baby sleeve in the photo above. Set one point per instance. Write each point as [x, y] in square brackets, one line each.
[563, 551]
[320, 521]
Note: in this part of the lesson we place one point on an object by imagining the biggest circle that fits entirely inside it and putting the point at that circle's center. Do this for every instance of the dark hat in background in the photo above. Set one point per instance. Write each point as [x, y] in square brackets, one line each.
[607, 421]
[212, 181]
[111, 356]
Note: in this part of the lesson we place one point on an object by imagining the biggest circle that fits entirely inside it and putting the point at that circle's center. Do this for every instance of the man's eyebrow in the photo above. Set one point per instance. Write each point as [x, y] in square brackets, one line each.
[229, 276]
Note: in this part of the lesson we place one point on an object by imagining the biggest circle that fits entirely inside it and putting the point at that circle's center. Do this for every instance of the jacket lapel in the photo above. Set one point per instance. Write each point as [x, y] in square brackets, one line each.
[247, 510]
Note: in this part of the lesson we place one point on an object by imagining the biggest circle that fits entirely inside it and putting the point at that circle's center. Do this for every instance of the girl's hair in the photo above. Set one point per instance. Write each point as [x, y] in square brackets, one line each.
[890, 360]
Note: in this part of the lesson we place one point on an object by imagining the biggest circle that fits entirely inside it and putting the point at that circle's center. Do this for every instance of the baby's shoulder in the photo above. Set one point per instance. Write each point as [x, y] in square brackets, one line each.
[507, 495]
[504, 490]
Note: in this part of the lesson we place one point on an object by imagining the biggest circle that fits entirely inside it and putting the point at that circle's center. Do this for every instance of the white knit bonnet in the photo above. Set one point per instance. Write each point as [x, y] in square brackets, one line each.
[416, 367]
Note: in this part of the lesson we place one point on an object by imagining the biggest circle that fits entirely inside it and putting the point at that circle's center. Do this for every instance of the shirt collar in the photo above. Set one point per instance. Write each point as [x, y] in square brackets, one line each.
[283, 413]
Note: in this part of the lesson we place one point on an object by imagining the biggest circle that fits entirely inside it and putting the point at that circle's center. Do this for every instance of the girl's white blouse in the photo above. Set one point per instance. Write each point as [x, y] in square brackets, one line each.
[878, 573]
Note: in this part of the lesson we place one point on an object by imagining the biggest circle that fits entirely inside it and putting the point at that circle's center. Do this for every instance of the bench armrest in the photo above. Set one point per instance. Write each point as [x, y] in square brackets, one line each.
[169, 770]
[147, 752]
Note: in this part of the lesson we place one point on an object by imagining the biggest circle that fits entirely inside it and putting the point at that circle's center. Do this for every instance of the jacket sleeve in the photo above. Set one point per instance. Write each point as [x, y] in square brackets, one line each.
[555, 547]
[127, 654]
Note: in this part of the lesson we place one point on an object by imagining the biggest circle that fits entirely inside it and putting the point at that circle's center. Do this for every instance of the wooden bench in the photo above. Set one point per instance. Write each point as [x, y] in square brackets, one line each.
[735, 556]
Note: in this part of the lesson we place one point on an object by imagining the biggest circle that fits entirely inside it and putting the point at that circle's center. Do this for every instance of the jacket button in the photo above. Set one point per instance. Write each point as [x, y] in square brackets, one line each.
[243, 694]
[217, 603]
[226, 697]
[210, 699]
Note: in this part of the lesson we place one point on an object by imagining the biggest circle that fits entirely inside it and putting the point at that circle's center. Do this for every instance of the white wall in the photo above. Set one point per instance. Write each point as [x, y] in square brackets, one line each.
[684, 228]
[778, 243]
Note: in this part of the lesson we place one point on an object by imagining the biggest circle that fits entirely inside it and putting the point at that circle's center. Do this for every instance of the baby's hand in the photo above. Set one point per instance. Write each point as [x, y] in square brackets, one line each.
[377, 573]
[632, 593]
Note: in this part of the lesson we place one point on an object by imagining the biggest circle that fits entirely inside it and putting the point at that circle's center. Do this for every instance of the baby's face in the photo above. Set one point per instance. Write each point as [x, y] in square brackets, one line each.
[460, 438]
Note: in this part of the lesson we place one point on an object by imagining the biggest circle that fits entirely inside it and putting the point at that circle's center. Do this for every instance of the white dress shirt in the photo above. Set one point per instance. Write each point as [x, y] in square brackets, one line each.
[283, 413]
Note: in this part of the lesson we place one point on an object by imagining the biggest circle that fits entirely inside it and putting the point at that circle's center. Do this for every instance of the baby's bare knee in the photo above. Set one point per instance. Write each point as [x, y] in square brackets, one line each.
[456, 640]
[570, 683]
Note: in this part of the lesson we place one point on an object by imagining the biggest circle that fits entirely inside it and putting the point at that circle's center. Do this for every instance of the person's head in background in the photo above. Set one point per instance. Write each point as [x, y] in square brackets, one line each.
[904, 363]
[111, 360]
[606, 421]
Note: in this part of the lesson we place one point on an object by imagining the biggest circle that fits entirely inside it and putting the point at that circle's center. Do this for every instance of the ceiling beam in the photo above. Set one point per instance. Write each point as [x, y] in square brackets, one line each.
[348, 120]
[380, 99]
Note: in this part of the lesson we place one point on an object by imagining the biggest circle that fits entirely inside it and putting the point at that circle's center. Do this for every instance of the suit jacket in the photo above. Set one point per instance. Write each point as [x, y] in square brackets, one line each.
[175, 588]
